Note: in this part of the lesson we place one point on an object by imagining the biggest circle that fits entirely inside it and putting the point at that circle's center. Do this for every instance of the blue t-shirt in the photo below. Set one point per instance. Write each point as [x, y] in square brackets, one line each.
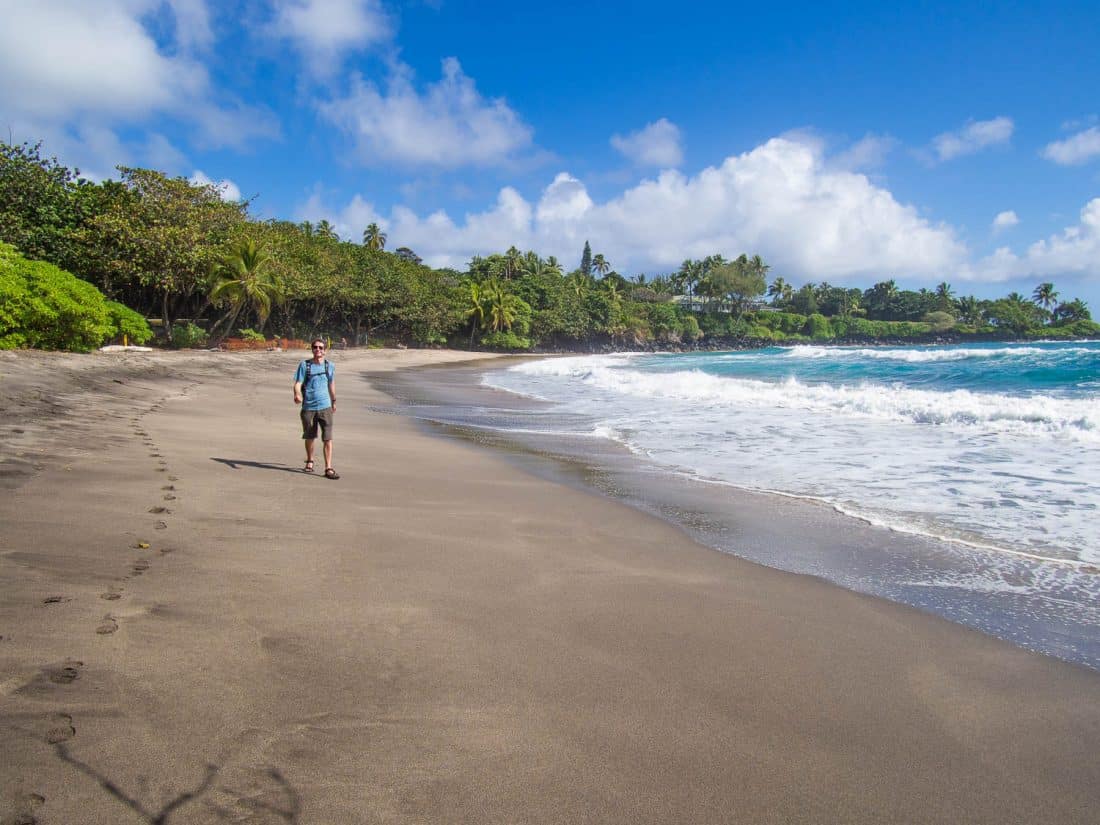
[315, 391]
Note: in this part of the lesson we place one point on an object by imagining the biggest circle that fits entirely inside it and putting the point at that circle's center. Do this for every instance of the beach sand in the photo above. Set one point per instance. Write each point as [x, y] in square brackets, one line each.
[192, 630]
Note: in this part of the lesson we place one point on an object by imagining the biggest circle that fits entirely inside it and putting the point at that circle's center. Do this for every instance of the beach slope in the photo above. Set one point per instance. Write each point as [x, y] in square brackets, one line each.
[193, 630]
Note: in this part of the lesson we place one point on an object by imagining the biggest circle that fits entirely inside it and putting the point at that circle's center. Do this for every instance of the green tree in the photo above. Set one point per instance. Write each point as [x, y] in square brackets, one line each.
[600, 264]
[476, 300]
[40, 204]
[586, 260]
[945, 297]
[374, 238]
[244, 279]
[1046, 296]
[157, 239]
[1075, 310]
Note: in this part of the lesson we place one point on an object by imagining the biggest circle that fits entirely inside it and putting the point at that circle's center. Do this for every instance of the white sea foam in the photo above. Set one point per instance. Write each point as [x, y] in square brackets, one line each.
[985, 469]
[1036, 415]
[921, 356]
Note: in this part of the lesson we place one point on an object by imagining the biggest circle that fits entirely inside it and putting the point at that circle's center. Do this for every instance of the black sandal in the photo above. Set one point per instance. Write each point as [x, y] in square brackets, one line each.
[331, 473]
[309, 467]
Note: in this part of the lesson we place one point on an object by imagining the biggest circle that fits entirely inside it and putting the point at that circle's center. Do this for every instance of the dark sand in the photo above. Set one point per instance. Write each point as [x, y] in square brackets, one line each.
[441, 637]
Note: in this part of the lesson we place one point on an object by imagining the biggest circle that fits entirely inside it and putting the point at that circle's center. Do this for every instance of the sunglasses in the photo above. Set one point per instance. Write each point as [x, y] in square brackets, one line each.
[318, 348]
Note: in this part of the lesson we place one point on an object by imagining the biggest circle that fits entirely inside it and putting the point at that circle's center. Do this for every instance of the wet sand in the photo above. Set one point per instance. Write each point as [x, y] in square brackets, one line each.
[193, 630]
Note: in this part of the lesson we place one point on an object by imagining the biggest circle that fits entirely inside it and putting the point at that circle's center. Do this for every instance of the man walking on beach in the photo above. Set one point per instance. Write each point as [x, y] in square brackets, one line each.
[315, 390]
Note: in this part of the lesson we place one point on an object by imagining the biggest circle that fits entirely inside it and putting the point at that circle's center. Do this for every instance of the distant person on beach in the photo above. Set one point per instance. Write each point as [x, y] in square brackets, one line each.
[315, 390]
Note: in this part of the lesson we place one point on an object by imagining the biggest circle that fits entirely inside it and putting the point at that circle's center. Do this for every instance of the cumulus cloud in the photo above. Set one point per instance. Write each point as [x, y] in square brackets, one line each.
[780, 200]
[1075, 251]
[1005, 220]
[973, 137]
[73, 69]
[228, 190]
[450, 125]
[1076, 149]
[657, 144]
[60, 57]
[325, 30]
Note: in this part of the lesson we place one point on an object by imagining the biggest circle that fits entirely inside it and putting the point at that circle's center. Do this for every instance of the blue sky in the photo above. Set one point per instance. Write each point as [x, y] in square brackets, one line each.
[848, 142]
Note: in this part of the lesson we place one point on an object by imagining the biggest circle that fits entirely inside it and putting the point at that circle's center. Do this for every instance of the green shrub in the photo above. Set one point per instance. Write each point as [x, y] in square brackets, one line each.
[818, 327]
[505, 340]
[939, 321]
[128, 323]
[691, 329]
[188, 335]
[45, 307]
[251, 335]
[785, 322]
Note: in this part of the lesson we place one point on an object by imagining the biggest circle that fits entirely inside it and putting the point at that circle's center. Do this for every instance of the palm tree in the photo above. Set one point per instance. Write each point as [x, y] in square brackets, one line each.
[945, 295]
[512, 263]
[969, 309]
[780, 291]
[600, 264]
[374, 238]
[243, 280]
[503, 306]
[327, 230]
[553, 266]
[1045, 295]
[579, 283]
[475, 308]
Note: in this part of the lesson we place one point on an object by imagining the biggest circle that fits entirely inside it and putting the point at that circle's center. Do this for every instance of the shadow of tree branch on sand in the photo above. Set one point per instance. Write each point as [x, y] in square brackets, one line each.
[288, 813]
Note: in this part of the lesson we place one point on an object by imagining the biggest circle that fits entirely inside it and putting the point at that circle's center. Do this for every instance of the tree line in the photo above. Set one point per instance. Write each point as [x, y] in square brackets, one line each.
[203, 268]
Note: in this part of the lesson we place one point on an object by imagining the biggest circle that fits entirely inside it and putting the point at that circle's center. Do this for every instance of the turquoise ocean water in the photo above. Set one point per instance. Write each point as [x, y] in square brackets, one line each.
[990, 452]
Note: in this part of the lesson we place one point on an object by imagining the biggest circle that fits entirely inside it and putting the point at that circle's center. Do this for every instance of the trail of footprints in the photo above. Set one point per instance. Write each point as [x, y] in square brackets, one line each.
[59, 727]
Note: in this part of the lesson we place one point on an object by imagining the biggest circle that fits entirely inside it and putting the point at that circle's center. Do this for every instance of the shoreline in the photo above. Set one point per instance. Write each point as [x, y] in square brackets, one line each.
[458, 640]
[844, 548]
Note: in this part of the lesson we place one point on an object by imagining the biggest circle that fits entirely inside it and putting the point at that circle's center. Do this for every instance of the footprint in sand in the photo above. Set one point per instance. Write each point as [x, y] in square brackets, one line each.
[108, 626]
[25, 807]
[159, 510]
[65, 673]
[168, 487]
[113, 594]
[173, 478]
[56, 599]
[139, 567]
[162, 525]
[169, 497]
[60, 728]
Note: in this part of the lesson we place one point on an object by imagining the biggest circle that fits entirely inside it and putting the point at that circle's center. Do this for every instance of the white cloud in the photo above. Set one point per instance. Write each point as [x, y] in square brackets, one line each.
[228, 190]
[1075, 252]
[74, 69]
[448, 126]
[973, 137]
[59, 58]
[868, 152]
[1005, 220]
[780, 200]
[192, 23]
[1079, 148]
[324, 30]
[657, 144]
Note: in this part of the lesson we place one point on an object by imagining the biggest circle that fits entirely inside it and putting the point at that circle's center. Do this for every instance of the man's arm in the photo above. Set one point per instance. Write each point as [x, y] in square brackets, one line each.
[332, 391]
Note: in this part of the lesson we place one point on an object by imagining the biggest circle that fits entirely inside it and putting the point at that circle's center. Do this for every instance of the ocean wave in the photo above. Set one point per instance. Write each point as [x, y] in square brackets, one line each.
[1035, 415]
[922, 356]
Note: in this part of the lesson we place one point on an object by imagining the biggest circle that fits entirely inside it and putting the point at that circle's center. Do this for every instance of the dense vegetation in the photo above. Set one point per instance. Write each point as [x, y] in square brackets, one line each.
[204, 268]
